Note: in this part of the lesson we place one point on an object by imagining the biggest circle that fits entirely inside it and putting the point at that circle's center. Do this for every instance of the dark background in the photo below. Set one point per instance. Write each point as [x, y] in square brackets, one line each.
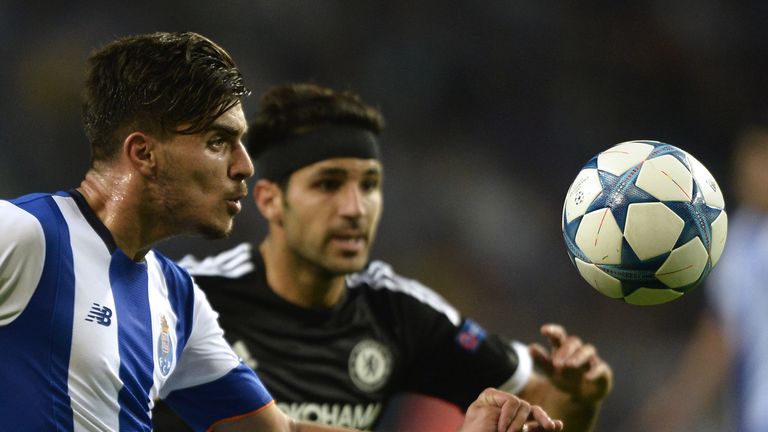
[492, 109]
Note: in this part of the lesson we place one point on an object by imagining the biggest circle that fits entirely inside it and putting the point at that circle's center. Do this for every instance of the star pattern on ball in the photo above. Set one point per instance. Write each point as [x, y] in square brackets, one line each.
[618, 193]
[700, 217]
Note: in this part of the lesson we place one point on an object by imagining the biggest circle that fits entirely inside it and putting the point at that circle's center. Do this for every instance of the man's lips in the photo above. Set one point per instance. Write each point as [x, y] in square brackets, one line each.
[349, 242]
[234, 203]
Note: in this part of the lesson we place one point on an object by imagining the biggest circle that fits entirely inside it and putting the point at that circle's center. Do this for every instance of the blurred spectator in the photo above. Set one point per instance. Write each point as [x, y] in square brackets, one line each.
[731, 339]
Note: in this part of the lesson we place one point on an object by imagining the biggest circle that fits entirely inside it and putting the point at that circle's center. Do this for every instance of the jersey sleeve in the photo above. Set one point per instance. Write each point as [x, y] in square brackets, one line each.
[449, 356]
[237, 394]
[460, 361]
[210, 383]
[22, 255]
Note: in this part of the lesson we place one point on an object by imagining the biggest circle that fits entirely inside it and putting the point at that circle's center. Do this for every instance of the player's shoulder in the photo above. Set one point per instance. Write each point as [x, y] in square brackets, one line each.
[169, 267]
[32, 197]
[18, 222]
[22, 250]
[230, 264]
[380, 277]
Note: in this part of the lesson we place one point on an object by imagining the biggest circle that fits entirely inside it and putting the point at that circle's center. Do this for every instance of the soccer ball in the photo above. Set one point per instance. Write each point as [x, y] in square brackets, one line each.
[644, 222]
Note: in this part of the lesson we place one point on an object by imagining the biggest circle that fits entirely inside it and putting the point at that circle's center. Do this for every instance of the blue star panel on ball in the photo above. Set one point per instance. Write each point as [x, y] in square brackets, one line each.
[644, 222]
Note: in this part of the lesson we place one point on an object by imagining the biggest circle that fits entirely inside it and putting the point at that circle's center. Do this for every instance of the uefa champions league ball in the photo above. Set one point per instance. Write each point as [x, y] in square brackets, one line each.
[644, 222]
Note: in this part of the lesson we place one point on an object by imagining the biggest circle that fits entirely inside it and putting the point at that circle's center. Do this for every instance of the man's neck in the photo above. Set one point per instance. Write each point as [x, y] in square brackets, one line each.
[299, 282]
[115, 197]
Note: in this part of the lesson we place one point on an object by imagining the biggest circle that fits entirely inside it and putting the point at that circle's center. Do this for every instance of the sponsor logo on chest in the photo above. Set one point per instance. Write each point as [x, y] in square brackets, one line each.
[360, 416]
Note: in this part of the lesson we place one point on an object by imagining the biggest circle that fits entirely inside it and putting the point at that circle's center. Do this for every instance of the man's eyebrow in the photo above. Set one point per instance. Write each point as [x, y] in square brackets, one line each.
[334, 171]
[331, 171]
[226, 129]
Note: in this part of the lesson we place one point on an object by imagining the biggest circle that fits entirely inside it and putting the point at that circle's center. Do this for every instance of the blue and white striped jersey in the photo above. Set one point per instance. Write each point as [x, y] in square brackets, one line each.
[90, 338]
[736, 292]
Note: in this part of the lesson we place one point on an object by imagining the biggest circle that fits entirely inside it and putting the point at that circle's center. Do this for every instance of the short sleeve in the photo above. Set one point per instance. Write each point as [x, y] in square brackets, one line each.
[22, 255]
[206, 355]
[210, 383]
[236, 394]
[520, 355]
[460, 361]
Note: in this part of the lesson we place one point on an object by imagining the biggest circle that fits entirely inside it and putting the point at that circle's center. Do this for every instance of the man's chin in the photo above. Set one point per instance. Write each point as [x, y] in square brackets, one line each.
[343, 267]
[214, 232]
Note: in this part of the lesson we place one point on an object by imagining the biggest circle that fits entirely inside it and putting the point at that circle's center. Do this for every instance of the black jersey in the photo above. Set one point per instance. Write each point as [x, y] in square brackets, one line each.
[342, 365]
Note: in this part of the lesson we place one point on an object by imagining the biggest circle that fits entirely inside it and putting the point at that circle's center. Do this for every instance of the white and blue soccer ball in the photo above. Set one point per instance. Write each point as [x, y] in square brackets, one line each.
[644, 222]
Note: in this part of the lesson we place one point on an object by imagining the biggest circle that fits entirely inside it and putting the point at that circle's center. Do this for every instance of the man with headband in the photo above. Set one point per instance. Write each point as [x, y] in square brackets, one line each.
[335, 337]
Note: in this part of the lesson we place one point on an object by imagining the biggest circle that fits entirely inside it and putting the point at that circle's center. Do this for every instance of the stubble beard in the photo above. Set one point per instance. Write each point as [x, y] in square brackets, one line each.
[341, 265]
[327, 264]
[183, 219]
[213, 233]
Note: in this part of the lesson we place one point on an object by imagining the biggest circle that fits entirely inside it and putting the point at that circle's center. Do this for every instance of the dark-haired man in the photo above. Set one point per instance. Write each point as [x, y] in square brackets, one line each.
[308, 294]
[94, 324]
[100, 324]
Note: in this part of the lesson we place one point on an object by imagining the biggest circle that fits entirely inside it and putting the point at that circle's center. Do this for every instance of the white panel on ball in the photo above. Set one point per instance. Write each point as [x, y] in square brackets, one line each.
[666, 178]
[582, 192]
[599, 237]
[621, 157]
[600, 280]
[651, 296]
[684, 265]
[719, 234]
[652, 229]
[713, 196]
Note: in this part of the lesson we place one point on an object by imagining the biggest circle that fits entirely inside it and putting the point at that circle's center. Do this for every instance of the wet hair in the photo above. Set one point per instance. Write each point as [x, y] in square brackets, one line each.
[293, 109]
[160, 83]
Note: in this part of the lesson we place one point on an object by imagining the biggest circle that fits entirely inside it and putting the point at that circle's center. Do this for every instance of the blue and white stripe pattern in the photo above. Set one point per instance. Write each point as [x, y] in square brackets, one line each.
[90, 337]
[736, 292]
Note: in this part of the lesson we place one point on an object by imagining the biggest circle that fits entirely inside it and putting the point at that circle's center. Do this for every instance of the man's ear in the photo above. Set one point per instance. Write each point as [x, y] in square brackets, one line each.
[269, 199]
[140, 149]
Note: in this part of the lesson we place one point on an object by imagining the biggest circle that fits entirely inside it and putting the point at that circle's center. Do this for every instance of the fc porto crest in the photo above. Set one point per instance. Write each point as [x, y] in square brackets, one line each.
[164, 347]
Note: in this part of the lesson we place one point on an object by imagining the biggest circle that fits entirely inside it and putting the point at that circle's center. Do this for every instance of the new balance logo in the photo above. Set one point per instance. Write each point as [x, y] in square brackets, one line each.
[101, 314]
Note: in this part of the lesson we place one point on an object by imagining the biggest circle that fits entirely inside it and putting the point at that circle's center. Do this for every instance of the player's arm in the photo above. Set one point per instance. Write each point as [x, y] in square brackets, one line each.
[493, 411]
[22, 254]
[573, 382]
[270, 419]
[210, 386]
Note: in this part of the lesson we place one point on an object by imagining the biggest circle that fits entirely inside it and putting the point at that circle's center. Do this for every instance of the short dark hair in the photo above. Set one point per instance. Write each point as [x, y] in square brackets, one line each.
[289, 109]
[156, 82]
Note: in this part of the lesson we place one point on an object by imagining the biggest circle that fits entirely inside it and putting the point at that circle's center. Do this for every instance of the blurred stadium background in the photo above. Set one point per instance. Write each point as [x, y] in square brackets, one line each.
[492, 109]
